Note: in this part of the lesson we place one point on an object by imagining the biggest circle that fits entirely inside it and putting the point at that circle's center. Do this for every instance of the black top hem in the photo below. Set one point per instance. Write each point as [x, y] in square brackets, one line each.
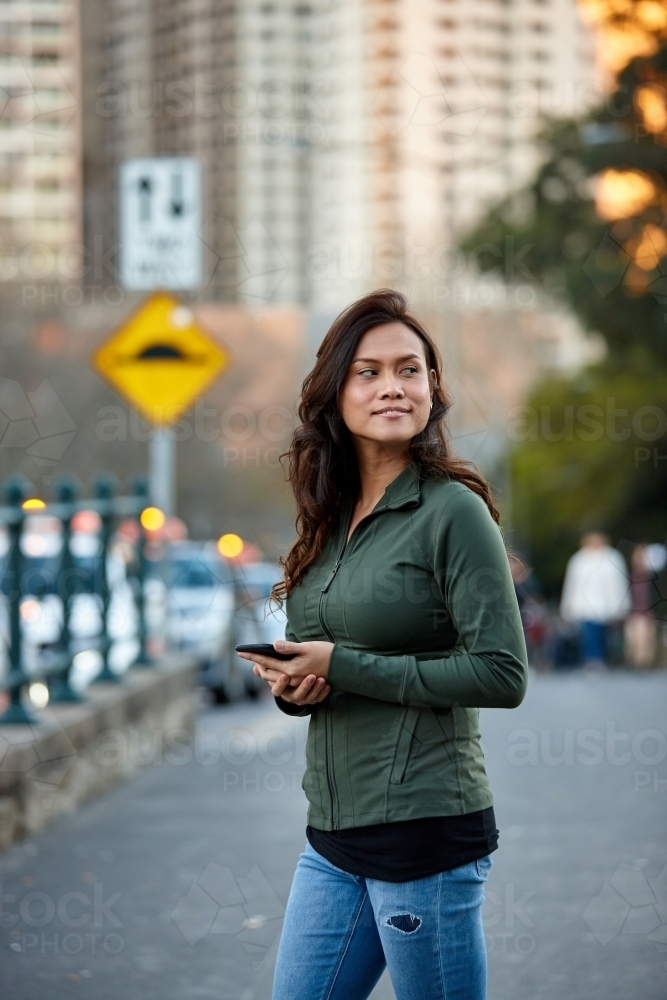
[409, 849]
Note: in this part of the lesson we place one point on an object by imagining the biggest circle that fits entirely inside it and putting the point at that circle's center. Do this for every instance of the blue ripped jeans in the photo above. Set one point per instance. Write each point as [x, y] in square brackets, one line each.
[341, 931]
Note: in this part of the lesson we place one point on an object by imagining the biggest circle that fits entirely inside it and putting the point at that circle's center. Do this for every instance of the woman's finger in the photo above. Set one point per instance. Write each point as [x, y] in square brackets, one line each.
[285, 646]
[279, 686]
[300, 695]
[319, 692]
[310, 696]
[271, 674]
[315, 693]
[323, 693]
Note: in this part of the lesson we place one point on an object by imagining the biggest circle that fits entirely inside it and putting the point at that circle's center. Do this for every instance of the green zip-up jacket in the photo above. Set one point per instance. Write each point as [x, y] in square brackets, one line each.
[421, 608]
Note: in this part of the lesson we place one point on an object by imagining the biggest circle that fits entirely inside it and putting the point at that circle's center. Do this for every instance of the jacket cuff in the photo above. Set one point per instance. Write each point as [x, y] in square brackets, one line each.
[357, 672]
[289, 709]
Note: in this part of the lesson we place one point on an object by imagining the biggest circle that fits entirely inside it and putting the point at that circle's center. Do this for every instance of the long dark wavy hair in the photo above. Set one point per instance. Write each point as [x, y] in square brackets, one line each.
[322, 464]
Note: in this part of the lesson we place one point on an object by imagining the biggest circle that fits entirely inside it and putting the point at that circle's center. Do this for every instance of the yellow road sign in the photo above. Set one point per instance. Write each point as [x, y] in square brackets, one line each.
[160, 358]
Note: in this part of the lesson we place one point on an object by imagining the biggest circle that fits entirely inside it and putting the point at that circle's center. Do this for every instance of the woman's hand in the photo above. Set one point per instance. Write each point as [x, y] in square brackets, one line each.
[311, 689]
[301, 681]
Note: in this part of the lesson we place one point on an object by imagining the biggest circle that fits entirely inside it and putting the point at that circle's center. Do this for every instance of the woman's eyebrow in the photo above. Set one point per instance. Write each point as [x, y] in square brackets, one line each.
[375, 361]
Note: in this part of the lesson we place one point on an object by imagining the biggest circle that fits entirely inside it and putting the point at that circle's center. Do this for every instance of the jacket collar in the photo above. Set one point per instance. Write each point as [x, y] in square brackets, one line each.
[404, 491]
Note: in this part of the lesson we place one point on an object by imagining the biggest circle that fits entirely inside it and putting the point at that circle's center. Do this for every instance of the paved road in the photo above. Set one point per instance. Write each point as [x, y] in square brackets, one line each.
[173, 886]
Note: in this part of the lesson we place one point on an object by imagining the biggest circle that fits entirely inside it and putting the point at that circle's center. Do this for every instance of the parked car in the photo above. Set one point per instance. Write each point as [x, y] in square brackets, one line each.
[207, 614]
[257, 580]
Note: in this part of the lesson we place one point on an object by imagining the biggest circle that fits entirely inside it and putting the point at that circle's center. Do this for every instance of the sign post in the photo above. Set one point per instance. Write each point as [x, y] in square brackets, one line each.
[160, 200]
[162, 470]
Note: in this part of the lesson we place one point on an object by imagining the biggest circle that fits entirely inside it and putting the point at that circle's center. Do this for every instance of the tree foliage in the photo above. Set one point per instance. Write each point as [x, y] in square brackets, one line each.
[612, 272]
[589, 452]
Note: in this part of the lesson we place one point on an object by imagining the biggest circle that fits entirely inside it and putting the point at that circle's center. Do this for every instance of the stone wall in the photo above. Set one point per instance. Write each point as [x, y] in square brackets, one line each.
[79, 750]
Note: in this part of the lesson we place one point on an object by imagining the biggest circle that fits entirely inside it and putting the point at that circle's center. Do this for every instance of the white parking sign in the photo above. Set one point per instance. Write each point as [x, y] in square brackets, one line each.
[160, 221]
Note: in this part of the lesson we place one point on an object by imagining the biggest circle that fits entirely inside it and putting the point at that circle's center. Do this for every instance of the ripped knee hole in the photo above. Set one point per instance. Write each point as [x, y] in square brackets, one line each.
[405, 922]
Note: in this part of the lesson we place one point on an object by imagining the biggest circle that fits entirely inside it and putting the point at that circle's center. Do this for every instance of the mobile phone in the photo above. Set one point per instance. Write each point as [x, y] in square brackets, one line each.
[264, 649]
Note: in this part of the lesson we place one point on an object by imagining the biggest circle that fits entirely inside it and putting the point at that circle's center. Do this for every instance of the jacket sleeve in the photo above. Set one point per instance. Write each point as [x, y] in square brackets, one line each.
[488, 666]
[285, 706]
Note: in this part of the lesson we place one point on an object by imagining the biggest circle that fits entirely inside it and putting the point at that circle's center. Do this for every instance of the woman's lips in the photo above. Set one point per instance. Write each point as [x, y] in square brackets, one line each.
[391, 412]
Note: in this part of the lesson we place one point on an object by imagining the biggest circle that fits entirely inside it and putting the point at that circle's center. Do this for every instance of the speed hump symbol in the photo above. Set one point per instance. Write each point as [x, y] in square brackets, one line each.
[161, 358]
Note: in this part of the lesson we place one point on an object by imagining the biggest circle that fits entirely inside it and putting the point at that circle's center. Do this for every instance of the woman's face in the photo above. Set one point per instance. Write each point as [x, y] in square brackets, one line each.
[386, 396]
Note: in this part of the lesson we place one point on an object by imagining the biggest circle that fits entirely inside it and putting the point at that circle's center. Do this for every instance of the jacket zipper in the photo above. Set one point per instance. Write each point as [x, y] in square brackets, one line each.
[339, 559]
[328, 710]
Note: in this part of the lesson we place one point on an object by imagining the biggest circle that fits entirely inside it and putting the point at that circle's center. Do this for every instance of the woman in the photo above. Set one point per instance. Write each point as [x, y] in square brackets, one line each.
[404, 622]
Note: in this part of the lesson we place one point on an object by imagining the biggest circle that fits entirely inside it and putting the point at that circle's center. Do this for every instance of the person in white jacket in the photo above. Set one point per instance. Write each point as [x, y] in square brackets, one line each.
[595, 593]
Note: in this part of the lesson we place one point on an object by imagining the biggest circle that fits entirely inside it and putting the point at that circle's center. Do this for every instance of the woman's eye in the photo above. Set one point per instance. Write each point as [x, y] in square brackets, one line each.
[411, 370]
[367, 371]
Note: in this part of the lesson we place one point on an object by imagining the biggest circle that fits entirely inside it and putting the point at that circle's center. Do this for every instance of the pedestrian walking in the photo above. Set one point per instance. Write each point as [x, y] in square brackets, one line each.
[595, 595]
[532, 608]
[403, 623]
[640, 632]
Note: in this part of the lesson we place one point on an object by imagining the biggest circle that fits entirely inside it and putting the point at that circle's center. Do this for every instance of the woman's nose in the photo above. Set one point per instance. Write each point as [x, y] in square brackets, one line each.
[391, 388]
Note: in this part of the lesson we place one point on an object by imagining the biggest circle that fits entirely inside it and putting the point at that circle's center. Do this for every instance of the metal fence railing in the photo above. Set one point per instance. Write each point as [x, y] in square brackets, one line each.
[55, 665]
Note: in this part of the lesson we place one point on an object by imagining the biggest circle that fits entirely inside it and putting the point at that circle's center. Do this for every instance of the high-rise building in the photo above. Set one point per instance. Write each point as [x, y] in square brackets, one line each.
[40, 149]
[227, 83]
[433, 118]
[346, 144]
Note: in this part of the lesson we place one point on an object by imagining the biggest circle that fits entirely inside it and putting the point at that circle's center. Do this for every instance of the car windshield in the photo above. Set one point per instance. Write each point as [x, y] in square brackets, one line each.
[196, 572]
[259, 578]
[39, 576]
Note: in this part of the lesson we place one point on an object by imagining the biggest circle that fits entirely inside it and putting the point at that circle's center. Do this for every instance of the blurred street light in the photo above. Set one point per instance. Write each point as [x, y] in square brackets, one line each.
[38, 694]
[33, 503]
[230, 546]
[152, 518]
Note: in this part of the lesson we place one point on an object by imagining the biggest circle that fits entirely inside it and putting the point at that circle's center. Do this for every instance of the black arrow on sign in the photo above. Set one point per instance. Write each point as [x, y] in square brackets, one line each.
[176, 205]
[145, 192]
